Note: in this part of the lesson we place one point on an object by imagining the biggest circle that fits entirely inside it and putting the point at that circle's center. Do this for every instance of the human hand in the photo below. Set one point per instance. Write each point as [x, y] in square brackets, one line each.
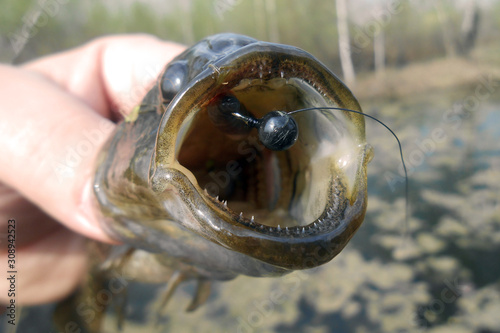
[56, 112]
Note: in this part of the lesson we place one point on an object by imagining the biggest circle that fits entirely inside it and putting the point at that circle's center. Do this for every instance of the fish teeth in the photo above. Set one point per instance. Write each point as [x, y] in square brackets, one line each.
[217, 198]
[252, 219]
[303, 230]
[241, 215]
[205, 191]
[224, 203]
[279, 228]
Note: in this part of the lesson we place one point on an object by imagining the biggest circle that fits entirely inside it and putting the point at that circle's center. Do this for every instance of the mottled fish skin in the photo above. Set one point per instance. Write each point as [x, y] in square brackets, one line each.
[150, 201]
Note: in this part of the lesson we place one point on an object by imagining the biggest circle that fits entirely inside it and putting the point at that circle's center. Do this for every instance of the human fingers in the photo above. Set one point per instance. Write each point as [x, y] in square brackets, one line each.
[55, 136]
[109, 73]
[48, 269]
[46, 144]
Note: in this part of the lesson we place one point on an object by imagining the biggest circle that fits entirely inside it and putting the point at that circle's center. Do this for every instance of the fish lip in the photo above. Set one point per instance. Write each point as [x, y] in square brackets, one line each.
[286, 251]
[255, 60]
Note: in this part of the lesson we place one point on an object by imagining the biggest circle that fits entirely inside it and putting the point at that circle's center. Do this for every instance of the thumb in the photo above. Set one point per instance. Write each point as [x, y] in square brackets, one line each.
[54, 124]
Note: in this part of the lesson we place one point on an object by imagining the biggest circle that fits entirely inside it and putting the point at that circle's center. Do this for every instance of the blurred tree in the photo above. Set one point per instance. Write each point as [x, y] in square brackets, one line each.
[344, 43]
[446, 29]
[353, 42]
[379, 44]
[260, 19]
[379, 52]
[272, 19]
[186, 22]
[470, 27]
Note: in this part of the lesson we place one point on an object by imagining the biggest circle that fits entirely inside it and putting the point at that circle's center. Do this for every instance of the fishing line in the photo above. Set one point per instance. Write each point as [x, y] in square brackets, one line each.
[278, 130]
[407, 203]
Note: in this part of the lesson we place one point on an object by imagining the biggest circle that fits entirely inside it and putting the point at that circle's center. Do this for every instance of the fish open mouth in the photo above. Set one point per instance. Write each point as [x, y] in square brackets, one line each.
[304, 190]
[188, 174]
[246, 157]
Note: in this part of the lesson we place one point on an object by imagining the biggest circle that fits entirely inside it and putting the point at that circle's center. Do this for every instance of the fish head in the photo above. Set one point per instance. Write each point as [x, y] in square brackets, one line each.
[211, 180]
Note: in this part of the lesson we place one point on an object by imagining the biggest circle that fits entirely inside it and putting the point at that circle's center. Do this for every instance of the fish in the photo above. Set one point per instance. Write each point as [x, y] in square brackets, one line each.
[193, 189]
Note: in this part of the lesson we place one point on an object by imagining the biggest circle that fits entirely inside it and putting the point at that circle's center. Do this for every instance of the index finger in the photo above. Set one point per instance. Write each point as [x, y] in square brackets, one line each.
[110, 73]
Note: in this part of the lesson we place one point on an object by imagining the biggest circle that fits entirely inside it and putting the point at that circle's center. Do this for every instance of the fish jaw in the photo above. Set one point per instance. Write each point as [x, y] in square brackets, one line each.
[290, 248]
[294, 247]
[283, 211]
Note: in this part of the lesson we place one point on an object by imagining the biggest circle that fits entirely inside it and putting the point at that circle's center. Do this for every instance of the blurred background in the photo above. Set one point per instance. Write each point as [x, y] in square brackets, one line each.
[431, 71]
